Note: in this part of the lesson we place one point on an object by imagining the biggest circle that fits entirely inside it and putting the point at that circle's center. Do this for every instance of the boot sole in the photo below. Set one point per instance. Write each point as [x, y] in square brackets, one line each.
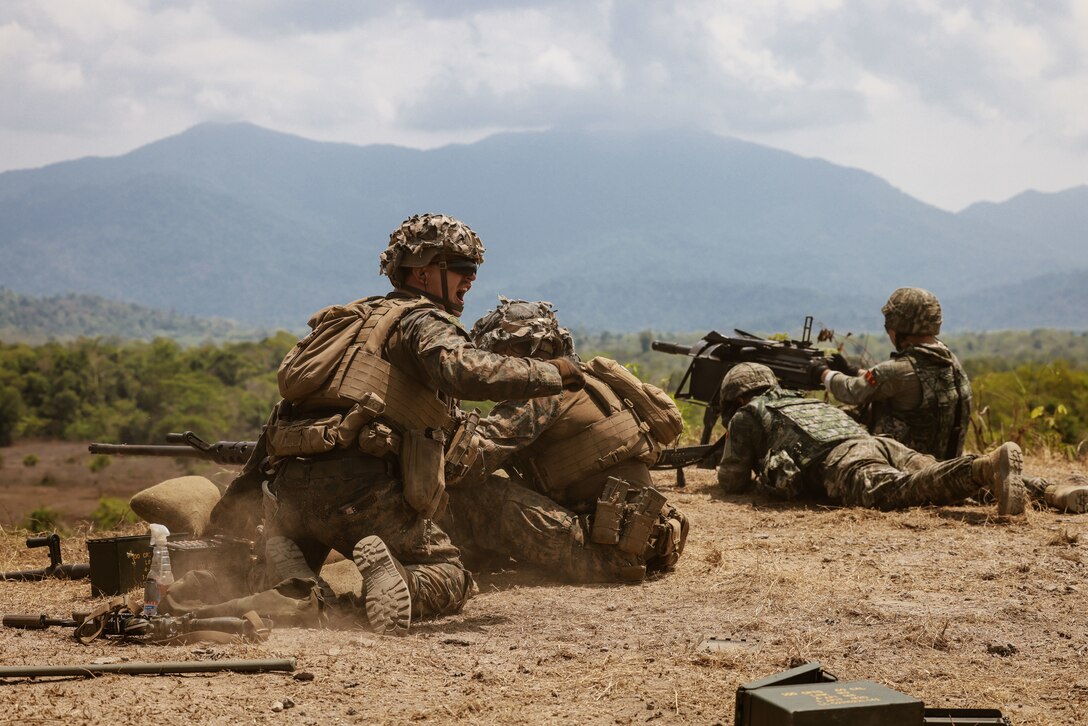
[1012, 497]
[1072, 502]
[388, 600]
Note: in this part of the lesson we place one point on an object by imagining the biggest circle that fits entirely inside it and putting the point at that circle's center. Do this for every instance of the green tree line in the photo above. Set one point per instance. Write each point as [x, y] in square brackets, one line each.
[136, 392]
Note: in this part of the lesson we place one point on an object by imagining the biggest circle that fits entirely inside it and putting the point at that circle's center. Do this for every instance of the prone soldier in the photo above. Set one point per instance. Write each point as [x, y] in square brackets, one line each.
[797, 446]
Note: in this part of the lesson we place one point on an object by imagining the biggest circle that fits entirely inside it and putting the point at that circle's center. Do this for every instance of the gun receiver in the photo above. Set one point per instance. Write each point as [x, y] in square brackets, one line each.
[715, 354]
[186, 444]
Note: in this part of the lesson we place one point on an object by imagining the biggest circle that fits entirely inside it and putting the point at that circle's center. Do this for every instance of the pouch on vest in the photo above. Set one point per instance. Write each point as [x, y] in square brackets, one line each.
[307, 437]
[464, 447]
[780, 476]
[422, 464]
[652, 405]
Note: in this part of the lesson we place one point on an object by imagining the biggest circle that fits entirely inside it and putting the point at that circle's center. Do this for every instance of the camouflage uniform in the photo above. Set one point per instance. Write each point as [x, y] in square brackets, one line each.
[540, 514]
[525, 518]
[331, 501]
[800, 446]
[921, 398]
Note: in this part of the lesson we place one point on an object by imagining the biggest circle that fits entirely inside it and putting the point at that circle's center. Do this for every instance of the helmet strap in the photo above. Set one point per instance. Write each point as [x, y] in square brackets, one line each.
[444, 302]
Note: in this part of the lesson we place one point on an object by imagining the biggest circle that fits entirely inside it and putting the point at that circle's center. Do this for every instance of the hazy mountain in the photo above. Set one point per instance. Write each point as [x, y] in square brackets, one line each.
[662, 230]
[33, 320]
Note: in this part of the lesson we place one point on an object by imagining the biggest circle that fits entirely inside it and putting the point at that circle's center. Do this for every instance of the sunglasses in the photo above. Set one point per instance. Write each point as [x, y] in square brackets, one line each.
[462, 266]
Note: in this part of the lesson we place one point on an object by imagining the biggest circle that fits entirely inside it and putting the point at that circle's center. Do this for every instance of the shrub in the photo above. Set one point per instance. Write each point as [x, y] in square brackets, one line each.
[30, 460]
[112, 512]
[43, 519]
[48, 479]
[98, 462]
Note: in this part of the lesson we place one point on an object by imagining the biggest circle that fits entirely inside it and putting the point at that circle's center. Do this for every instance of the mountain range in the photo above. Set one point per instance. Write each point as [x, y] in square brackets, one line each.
[662, 230]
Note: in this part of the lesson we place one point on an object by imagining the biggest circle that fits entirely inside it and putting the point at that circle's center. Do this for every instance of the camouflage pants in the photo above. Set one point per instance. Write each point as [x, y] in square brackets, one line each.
[502, 517]
[330, 504]
[882, 473]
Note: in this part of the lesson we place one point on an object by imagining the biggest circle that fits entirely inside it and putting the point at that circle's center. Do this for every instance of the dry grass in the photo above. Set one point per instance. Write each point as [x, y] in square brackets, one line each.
[949, 604]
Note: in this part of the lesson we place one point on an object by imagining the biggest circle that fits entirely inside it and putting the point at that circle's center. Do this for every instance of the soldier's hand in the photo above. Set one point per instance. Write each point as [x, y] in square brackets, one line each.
[570, 370]
[838, 362]
[816, 369]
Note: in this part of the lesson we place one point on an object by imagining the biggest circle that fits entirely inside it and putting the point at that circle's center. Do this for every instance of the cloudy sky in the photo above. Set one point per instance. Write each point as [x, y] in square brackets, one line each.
[951, 101]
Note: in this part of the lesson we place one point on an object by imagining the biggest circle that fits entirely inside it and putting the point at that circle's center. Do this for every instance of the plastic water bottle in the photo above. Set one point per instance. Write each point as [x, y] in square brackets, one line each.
[159, 577]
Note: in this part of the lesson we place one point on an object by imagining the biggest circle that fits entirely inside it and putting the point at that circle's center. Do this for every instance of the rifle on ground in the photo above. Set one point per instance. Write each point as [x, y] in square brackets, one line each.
[57, 568]
[715, 354]
[186, 444]
[119, 619]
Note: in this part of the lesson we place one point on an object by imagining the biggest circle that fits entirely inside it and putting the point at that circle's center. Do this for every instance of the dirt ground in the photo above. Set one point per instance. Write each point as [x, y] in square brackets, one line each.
[951, 605]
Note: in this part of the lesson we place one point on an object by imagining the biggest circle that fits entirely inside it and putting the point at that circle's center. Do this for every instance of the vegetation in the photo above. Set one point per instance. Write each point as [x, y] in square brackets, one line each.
[1030, 386]
[43, 519]
[136, 392]
[112, 512]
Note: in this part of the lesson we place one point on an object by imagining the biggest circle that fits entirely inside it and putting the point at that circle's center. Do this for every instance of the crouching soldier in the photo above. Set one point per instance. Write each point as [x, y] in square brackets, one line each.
[577, 499]
[797, 446]
[358, 442]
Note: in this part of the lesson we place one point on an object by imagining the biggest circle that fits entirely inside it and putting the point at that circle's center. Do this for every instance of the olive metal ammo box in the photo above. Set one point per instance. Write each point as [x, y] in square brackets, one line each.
[119, 564]
[807, 696]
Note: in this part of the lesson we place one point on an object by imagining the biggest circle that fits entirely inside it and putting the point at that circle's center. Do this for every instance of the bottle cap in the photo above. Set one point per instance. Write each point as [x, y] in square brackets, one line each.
[159, 533]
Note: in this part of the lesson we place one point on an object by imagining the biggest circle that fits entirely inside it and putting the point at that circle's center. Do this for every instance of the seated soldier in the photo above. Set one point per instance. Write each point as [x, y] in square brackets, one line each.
[559, 452]
[797, 445]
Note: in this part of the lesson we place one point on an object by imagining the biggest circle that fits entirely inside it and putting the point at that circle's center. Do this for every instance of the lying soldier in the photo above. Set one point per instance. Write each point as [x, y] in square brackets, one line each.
[560, 453]
[796, 446]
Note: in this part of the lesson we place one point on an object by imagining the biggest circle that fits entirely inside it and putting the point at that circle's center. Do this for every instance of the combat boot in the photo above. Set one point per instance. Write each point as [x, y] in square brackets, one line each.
[1000, 472]
[385, 587]
[1072, 497]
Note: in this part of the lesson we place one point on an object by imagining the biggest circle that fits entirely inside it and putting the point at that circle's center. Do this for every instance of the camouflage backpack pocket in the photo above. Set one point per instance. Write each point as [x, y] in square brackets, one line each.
[780, 476]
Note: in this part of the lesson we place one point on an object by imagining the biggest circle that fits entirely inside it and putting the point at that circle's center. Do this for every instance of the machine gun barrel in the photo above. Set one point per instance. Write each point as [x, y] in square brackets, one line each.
[662, 346]
[186, 444]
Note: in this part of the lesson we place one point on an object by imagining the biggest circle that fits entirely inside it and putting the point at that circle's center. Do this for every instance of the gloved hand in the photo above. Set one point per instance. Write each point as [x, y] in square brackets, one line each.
[838, 362]
[816, 369]
[570, 370]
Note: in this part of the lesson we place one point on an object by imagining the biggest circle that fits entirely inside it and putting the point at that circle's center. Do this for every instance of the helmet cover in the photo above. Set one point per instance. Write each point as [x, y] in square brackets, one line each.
[912, 311]
[744, 378]
[518, 321]
[422, 238]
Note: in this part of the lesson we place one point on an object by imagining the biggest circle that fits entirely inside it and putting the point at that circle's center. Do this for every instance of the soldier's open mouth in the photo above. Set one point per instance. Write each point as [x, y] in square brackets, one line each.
[461, 292]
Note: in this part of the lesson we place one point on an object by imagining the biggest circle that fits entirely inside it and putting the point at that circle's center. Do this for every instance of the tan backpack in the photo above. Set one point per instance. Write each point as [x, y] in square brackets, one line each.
[651, 404]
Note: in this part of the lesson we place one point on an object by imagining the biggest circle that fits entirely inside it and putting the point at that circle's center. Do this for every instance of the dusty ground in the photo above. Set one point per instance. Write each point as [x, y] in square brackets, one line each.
[916, 600]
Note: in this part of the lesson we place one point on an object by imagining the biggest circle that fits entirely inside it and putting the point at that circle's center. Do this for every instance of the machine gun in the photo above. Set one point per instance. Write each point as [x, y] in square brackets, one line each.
[715, 354]
[711, 359]
[186, 444]
[56, 569]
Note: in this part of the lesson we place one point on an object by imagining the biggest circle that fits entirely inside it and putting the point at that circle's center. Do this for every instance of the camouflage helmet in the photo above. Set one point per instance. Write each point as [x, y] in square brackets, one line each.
[421, 238]
[744, 378]
[518, 321]
[912, 311]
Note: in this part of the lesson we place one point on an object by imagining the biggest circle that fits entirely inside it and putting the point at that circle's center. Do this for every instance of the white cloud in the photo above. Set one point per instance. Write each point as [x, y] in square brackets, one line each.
[951, 100]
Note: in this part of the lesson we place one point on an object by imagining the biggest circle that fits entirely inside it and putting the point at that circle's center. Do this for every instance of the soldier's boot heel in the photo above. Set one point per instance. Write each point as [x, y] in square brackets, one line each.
[385, 587]
[1071, 498]
[1004, 467]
